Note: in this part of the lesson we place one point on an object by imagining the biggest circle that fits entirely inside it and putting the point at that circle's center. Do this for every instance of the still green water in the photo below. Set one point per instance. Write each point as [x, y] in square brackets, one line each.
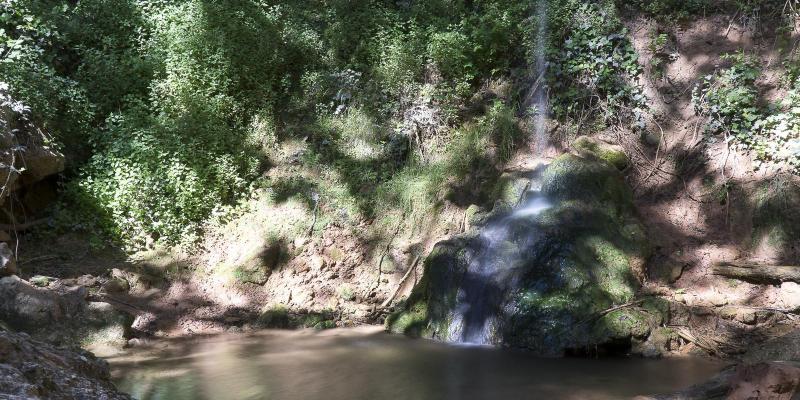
[364, 363]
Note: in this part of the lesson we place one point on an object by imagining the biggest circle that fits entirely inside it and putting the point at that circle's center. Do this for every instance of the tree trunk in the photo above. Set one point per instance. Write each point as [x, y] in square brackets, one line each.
[758, 273]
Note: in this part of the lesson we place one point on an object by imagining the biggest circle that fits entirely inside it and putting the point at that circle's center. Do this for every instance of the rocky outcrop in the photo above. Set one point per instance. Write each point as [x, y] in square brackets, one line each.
[26, 158]
[27, 307]
[61, 314]
[777, 380]
[557, 278]
[30, 369]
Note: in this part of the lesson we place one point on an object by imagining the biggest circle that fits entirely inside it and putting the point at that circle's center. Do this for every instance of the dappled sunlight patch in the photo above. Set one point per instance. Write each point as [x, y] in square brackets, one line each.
[249, 247]
[356, 135]
[614, 275]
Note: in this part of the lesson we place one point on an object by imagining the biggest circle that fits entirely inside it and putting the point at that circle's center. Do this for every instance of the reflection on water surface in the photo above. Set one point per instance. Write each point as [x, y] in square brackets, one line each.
[365, 363]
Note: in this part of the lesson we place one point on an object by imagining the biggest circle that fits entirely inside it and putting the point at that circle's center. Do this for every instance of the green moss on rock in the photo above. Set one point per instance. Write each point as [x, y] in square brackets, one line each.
[562, 269]
[275, 317]
[411, 321]
[595, 148]
[511, 189]
[622, 324]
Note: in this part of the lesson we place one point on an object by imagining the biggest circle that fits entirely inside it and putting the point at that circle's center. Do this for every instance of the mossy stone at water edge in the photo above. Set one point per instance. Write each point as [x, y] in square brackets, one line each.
[560, 269]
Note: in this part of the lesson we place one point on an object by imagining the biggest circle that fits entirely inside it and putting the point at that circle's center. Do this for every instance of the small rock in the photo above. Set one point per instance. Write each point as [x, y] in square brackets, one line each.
[300, 241]
[317, 263]
[718, 299]
[789, 296]
[651, 138]
[5, 236]
[746, 316]
[675, 272]
[86, 281]
[116, 285]
[728, 312]
[235, 329]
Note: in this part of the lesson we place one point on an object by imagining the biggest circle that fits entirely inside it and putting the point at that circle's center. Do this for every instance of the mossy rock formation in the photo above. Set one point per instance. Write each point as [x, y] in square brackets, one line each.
[589, 147]
[554, 273]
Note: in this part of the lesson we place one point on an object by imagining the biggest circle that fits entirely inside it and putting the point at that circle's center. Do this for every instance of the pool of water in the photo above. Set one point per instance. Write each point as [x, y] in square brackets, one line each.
[365, 363]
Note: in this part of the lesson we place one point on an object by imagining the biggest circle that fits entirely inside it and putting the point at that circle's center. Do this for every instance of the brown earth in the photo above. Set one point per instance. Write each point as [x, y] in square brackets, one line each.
[697, 194]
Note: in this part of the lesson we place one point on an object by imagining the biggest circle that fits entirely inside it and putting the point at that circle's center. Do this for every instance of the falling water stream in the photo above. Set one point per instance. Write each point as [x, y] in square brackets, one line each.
[489, 274]
[492, 270]
[538, 94]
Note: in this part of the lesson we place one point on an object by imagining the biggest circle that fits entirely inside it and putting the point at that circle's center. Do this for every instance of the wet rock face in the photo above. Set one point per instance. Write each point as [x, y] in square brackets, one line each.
[541, 281]
[34, 370]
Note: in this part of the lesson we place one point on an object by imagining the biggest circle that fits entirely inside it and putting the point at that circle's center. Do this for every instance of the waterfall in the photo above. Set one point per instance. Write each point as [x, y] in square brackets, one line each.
[538, 94]
[490, 274]
[493, 265]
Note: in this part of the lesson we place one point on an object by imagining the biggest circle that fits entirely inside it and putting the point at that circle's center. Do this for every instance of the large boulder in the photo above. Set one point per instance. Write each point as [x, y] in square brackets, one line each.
[541, 278]
[29, 308]
[33, 370]
[61, 314]
[779, 380]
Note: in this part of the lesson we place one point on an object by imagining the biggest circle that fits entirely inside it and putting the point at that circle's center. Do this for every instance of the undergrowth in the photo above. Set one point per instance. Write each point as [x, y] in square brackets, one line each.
[729, 99]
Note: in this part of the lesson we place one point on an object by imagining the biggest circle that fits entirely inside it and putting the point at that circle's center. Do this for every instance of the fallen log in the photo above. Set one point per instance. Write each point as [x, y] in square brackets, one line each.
[757, 272]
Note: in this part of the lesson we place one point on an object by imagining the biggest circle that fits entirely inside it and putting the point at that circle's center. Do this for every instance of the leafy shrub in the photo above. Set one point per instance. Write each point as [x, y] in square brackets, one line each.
[160, 177]
[59, 102]
[779, 133]
[596, 68]
[479, 145]
[729, 98]
[172, 107]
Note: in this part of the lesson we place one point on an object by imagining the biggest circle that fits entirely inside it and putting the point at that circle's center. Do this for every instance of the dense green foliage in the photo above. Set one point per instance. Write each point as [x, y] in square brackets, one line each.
[171, 110]
[730, 100]
[595, 70]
